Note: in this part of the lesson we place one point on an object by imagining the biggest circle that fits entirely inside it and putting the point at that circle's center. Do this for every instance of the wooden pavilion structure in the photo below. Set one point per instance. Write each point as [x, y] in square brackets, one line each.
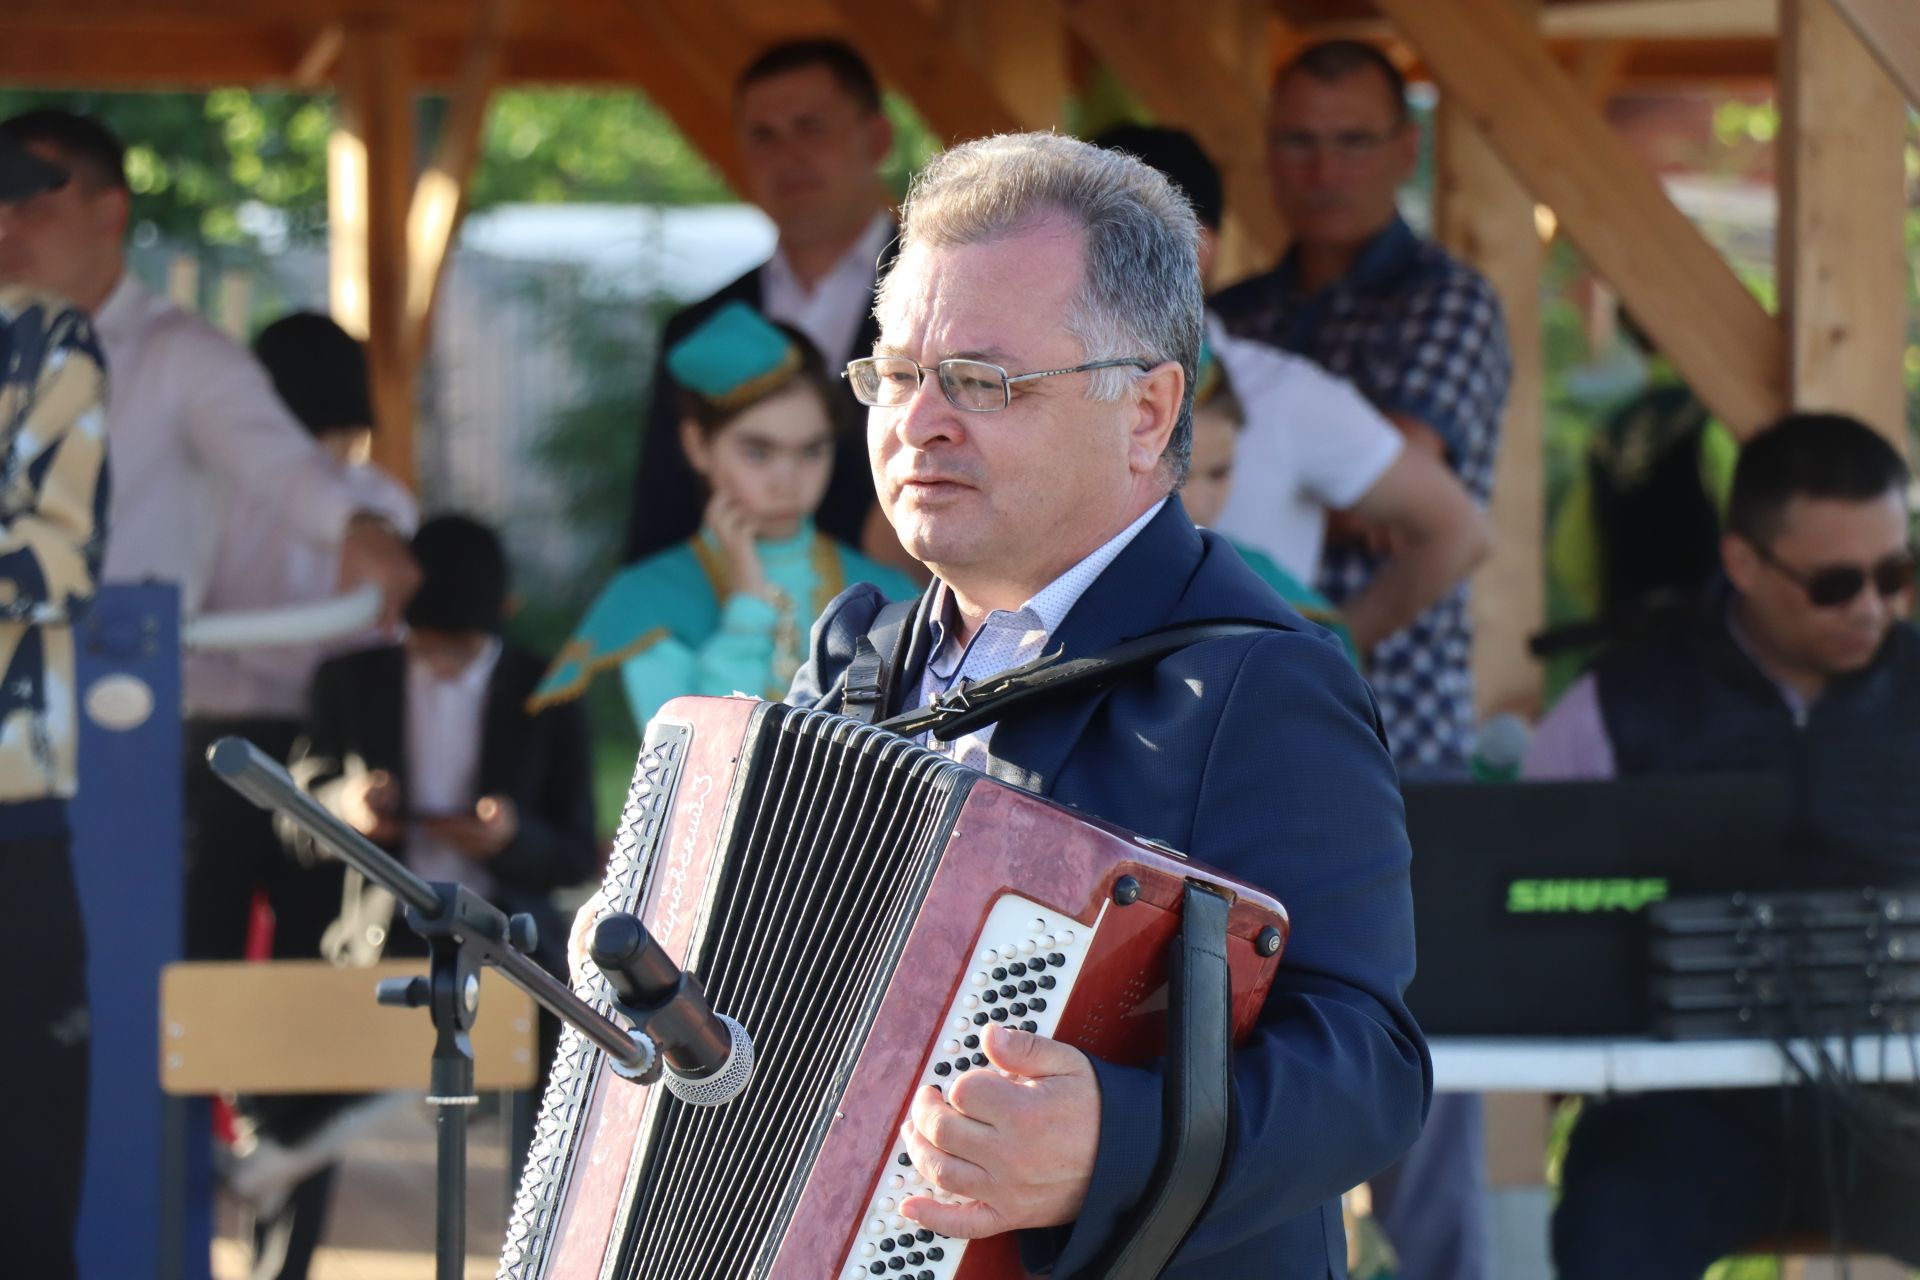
[1522, 86]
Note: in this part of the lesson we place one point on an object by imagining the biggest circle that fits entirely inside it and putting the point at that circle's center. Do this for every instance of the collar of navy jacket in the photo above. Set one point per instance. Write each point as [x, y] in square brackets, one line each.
[1171, 573]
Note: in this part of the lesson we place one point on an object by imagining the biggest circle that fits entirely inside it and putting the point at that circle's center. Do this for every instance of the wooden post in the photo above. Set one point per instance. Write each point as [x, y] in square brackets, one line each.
[1493, 63]
[369, 186]
[1891, 30]
[236, 304]
[440, 197]
[1842, 252]
[183, 281]
[1486, 217]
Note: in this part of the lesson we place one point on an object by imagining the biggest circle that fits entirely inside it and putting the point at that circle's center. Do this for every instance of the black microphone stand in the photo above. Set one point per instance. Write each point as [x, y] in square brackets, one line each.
[463, 932]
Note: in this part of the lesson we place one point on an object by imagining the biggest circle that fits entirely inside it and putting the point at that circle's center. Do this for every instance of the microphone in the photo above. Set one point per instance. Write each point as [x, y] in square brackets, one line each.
[708, 1056]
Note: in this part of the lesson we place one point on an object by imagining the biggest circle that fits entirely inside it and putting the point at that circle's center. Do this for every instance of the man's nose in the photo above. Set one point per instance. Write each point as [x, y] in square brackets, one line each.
[929, 416]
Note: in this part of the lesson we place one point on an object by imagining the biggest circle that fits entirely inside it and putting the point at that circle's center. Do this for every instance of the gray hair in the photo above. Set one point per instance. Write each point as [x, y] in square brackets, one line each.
[1141, 296]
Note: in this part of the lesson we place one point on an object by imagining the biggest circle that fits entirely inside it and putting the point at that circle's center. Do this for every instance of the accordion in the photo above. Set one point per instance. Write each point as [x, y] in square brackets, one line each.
[863, 907]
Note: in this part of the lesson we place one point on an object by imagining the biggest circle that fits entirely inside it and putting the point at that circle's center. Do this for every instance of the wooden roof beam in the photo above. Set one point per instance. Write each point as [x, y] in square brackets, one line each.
[315, 67]
[47, 54]
[1021, 49]
[1891, 30]
[1493, 64]
[911, 52]
[1164, 57]
[1589, 20]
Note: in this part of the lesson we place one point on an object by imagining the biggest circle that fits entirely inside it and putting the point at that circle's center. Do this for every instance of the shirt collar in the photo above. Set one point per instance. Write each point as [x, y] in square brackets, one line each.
[862, 258]
[472, 679]
[1046, 609]
[1386, 258]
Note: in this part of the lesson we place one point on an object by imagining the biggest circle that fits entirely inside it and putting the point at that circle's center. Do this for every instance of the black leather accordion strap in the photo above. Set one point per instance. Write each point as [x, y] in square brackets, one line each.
[1196, 1113]
[867, 689]
[981, 702]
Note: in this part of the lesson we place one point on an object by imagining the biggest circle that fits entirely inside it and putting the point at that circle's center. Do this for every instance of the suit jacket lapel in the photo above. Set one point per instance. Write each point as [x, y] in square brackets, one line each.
[498, 726]
[386, 712]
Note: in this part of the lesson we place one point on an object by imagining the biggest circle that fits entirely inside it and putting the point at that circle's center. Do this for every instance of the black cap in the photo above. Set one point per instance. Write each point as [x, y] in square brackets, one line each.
[319, 370]
[1179, 155]
[463, 576]
[24, 174]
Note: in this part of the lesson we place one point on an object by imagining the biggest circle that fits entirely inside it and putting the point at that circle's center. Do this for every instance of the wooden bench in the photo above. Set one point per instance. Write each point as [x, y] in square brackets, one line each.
[304, 1026]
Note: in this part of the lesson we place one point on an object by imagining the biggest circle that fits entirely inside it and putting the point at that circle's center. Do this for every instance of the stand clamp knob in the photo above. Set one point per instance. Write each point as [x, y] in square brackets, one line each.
[404, 993]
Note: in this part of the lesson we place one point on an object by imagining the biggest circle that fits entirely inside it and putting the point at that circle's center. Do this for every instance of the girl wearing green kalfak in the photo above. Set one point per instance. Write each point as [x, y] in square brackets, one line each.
[730, 609]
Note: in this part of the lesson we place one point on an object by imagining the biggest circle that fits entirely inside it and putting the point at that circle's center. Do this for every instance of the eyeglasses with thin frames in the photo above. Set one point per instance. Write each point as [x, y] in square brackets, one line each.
[972, 386]
[1349, 146]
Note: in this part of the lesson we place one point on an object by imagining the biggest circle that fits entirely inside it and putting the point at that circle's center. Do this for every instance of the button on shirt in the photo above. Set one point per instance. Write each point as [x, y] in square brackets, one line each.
[1007, 638]
[191, 423]
[445, 722]
[830, 313]
[1420, 334]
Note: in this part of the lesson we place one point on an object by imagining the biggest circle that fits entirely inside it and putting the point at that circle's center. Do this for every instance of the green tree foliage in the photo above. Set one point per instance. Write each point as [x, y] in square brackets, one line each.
[196, 162]
[551, 146]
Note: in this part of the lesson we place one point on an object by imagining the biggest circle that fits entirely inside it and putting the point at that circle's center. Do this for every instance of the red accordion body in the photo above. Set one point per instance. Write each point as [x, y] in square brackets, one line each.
[862, 906]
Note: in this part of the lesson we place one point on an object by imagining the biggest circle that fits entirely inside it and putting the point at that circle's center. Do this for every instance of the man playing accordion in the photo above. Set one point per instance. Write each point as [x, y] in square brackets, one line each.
[1029, 427]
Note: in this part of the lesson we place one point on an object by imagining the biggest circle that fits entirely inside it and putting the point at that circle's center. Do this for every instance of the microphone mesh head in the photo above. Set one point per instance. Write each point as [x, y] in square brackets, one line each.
[723, 1085]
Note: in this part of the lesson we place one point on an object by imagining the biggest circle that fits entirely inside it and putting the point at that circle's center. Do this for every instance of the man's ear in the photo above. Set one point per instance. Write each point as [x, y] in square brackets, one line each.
[1157, 397]
[1741, 561]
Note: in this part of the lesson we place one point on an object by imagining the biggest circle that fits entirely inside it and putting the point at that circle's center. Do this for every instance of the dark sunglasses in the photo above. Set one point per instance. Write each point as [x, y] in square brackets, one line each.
[1838, 585]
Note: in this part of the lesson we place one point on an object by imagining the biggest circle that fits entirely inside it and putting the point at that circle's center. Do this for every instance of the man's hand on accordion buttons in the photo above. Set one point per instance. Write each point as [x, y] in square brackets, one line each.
[1017, 1143]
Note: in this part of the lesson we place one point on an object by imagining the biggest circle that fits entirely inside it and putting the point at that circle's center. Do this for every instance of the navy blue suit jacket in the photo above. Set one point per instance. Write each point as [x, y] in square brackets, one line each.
[1262, 756]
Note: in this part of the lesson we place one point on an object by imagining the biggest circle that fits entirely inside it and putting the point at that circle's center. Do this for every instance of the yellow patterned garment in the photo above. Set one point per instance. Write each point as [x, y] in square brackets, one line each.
[53, 504]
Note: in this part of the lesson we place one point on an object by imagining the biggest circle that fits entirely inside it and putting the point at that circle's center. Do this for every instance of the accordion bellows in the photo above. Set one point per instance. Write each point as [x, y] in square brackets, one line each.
[863, 907]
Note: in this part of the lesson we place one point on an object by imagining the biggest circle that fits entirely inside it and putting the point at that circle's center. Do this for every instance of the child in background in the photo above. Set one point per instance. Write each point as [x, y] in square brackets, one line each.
[1218, 417]
[730, 609]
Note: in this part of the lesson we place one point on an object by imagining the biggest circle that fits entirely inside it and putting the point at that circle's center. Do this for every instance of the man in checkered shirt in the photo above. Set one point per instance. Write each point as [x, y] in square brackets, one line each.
[1419, 333]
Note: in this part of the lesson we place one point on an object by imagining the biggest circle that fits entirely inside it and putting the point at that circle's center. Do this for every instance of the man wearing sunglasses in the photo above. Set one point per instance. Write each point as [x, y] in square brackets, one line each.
[1799, 664]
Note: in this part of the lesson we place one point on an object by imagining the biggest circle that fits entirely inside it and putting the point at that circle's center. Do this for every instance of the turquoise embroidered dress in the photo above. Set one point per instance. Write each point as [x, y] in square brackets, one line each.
[673, 624]
[1312, 605]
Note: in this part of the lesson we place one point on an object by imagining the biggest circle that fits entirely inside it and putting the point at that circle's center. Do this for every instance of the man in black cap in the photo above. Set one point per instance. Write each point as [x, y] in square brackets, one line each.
[53, 455]
[263, 562]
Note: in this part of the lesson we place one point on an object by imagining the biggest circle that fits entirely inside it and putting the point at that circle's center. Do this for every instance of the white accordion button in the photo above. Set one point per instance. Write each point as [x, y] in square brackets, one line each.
[1021, 942]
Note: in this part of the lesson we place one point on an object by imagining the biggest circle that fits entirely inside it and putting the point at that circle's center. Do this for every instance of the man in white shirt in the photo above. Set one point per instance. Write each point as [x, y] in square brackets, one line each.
[1313, 445]
[193, 420]
[812, 136]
